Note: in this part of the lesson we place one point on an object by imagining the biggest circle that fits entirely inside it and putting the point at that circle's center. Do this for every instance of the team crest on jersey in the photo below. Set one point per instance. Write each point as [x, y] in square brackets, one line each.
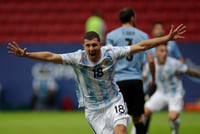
[105, 63]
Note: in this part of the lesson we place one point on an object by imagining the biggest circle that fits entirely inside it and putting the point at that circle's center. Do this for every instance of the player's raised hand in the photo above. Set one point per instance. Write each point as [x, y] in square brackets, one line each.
[16, 50]
[177, 33]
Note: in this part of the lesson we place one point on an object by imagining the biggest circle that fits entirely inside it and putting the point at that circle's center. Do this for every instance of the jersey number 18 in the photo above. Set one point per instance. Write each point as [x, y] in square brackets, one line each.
[98, 72]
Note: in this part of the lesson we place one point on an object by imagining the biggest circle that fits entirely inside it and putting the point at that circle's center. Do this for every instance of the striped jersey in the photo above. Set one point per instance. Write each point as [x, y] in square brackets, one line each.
[96, 86]
[173, 51]
[168, 76]
[129, 67]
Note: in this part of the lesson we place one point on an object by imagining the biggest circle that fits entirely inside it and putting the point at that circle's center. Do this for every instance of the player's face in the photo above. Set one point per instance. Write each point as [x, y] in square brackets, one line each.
[158, 30]
[161, 53]
[93, 49]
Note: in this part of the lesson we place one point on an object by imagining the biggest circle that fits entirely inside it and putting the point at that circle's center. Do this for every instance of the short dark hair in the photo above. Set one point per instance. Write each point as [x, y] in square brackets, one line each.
[91, 35]
[163, 44]
[126, 14]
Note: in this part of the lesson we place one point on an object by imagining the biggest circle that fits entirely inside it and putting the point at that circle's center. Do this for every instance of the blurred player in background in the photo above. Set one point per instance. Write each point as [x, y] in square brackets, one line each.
[129, 70]
[44, 88]
[97, 24]
[158, 30]
[170, 90]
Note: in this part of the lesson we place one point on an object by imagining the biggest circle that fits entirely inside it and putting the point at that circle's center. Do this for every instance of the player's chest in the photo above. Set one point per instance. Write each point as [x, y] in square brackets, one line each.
[105, 67]
[164, 73]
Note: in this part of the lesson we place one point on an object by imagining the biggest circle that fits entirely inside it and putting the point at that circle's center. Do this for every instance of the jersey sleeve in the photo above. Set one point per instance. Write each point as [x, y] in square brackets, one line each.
[120, 52]
[181, 67]
[71, 58]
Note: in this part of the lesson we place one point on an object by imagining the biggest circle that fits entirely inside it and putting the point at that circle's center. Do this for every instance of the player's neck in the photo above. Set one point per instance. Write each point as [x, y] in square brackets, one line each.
[127, 25]
[161, 63]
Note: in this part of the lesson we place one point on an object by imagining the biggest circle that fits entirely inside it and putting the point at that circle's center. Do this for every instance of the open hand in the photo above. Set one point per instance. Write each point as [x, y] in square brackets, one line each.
[16, 50]
[177, 32]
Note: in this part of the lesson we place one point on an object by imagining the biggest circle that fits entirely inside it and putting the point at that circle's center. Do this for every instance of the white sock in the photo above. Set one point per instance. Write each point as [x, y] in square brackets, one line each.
[144, 119]
[175, 126]
[133, 130]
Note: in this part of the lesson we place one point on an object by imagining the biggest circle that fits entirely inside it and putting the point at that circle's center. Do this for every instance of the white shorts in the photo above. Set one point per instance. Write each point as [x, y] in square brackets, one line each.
[104, 120]
[158, 101]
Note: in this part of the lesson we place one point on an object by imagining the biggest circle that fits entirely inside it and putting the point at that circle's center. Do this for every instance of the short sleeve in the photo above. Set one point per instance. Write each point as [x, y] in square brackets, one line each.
[181, 67]
[71, 58]
[120, 51]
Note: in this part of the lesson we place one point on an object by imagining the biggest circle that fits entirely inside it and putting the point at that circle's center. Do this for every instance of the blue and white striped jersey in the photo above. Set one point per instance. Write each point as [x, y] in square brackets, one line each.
[130, 67]
[168, 76]
[96, 86]
[173, 51]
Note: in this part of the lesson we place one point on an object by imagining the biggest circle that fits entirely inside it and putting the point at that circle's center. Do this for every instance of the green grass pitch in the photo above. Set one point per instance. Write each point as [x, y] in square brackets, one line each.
[75, 123]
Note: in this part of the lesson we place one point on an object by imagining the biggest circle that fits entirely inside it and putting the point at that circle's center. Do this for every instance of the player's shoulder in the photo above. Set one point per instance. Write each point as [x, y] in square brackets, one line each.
[172, 60]
[141, 32]
[107, 47]
[171, 42]
[110, 48]
[141, 35]
[115, 31]
[73, 57]
[78, 52]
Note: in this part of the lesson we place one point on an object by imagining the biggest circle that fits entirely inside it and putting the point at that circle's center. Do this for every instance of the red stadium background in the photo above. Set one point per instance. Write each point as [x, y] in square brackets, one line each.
[63, 20]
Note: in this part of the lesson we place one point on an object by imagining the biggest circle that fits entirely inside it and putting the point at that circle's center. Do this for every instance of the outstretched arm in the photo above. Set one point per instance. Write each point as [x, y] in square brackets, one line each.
[44, 56]
[193, 73]
[147, 44]
[151, 68]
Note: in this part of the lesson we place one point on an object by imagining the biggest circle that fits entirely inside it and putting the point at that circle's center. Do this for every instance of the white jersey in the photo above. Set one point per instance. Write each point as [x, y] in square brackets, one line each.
[168, 76]
[96, 86]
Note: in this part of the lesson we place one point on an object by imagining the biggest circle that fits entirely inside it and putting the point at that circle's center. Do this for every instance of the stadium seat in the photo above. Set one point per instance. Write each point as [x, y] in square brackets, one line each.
[49, 16]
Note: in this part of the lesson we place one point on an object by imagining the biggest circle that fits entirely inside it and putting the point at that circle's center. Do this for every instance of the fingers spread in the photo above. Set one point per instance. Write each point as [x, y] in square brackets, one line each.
[12, 46]
[15, 44]
[11, 52]
[181, 28]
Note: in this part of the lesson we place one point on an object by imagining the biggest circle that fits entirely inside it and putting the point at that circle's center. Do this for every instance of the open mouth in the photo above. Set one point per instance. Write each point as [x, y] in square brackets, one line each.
[92, 54]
